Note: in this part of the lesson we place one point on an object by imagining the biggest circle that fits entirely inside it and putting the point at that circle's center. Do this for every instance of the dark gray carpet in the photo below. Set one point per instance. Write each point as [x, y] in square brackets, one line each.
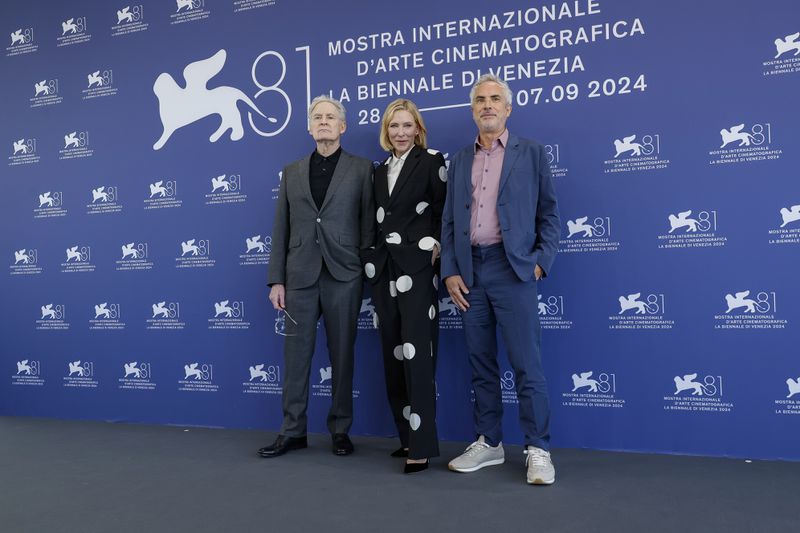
[72, 476]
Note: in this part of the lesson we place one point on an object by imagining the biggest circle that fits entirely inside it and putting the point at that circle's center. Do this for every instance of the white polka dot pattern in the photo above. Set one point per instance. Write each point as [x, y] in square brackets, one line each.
[404, 283]
[443, 174]
[394, 238]
[398, 352]
[369, 269]
[409, 351]
[427, 243]
[414, 421]
[421, 207]
[380, 215]
[432, 312]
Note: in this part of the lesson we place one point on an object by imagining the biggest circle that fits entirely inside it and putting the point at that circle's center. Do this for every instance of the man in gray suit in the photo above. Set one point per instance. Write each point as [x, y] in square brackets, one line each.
[324, 220]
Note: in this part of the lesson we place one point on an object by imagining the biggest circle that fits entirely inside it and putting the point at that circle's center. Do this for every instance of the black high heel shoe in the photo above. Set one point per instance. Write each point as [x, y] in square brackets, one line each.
[415, 467]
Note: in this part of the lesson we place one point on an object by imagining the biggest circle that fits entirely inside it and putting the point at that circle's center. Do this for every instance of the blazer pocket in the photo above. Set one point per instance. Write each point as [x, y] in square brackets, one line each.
[348, 240]
[295, 241]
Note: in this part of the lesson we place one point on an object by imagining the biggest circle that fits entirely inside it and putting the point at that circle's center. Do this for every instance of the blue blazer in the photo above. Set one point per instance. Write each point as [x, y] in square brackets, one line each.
[526, 207]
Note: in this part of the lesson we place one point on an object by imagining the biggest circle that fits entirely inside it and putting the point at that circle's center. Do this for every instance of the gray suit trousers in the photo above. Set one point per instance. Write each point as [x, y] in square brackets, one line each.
[339, 303]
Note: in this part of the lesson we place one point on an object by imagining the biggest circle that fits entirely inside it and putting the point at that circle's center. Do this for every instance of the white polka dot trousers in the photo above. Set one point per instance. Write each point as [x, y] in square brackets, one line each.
[409, 327]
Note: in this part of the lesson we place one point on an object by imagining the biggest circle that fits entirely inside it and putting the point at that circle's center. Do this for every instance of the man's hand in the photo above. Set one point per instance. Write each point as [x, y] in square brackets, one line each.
[538, 272]
[457, 289]
[277, 295]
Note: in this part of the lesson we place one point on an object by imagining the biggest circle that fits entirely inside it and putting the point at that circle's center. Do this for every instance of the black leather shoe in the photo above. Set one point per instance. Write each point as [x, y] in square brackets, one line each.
[282, 445]
[400, 452]
[342, 445]
[415, 467]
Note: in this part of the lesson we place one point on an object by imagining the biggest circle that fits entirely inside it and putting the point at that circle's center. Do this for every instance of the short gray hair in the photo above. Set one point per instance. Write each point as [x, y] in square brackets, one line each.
[486, 78]
[325, 98]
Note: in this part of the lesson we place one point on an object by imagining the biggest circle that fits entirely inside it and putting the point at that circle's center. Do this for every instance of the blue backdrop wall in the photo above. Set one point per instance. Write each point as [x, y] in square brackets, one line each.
[136, 248]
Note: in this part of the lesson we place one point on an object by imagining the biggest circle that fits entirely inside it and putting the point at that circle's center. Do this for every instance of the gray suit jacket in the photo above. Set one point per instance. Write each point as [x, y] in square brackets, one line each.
[340, 231]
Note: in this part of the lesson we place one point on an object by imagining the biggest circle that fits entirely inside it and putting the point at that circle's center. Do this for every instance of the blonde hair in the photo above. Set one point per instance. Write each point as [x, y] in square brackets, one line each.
[401, 104]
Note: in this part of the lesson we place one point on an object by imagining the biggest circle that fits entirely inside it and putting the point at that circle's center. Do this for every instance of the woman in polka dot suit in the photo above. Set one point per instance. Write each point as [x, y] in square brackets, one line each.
[410, 189]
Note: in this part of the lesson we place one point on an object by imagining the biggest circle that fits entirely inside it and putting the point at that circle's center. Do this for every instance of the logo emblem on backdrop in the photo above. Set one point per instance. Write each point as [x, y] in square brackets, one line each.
[192, 371]
[626, 303]
[585, 236]
[129, 19]
[73, 31]
[74, 255]
[688, 383]
[254, 243]
[45, 199]
[70, 140]
[23, 366]
[751, 310]
[325, 374]
[258, 372]
[789, 215]
[24, 152]
[593, 390]
[783, 235]
[158, 188]
[793, 384]
[198, 377]
[129, 251]
[159, 310]
[584, 380]
[788, 44]
[367, 317]
[80, 375]
[17, 37]
[648, 312]
[102, 310]
[69, 26]
[41, 88]
[21, 255]
[264, 379]
[187, 4]
[124, 14]
[683, 220]
[20, 147]
[189, 247]
[627, 145]
[179, 106]
[693, 394]
[735, 134]
[138, 376]
[220, 183]
[740, 299]
[579, 225]
[690, 229]
[95, 79]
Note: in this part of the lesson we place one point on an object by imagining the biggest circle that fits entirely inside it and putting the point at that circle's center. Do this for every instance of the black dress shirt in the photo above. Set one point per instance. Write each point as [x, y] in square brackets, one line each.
[320, 173]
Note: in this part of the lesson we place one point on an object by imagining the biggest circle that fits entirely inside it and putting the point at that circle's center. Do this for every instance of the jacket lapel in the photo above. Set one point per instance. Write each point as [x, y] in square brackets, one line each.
[412, 160]
[338, 177]
[510, 157]
[305, 176]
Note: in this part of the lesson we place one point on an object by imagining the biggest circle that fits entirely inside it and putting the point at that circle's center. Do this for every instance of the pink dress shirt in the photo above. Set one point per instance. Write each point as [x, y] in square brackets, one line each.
[486, 167]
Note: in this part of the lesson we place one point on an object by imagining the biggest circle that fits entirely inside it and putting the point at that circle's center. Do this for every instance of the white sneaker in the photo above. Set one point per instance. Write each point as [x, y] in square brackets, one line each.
[540, 467]
[477, 455]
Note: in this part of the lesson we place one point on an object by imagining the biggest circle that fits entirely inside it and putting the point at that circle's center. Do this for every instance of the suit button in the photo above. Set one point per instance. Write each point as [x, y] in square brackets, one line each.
[465, 232]
[319, 220]
[388, 213]
[316, 241]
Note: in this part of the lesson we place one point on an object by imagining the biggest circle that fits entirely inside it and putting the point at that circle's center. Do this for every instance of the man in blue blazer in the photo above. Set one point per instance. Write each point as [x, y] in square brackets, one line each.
[500, 233]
